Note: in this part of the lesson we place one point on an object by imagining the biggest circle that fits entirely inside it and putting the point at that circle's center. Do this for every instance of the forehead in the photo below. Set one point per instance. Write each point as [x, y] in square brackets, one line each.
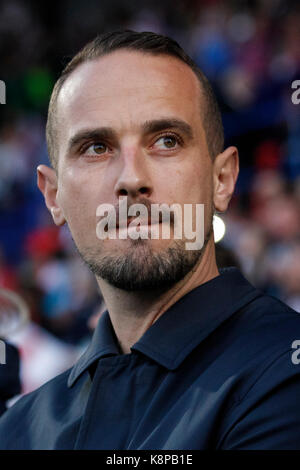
[125, 88]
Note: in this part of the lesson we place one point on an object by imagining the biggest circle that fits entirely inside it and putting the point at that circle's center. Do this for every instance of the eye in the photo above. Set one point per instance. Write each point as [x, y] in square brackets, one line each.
[169, 141]
[97, 148]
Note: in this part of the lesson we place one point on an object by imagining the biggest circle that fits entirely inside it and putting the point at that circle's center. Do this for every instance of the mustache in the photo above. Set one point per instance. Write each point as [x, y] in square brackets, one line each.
[118, 210]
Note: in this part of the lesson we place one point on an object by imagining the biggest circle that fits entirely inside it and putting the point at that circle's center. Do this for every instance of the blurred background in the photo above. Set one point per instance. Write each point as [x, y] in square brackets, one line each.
[250, 51]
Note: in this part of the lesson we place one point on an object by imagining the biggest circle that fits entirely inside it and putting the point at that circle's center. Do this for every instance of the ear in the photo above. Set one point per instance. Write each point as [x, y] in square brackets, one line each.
[47, 183]
[225, 173]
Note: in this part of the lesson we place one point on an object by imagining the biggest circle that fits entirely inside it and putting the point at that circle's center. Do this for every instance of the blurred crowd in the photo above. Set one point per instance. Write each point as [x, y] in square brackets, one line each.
[251, 53]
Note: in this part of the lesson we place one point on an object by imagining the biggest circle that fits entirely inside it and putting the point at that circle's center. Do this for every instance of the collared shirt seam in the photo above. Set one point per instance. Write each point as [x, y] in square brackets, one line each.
[83, 368]
[240, 400]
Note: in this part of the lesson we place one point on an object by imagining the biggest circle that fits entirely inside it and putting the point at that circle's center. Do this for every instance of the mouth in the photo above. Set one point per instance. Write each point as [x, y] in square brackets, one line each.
[141, 223]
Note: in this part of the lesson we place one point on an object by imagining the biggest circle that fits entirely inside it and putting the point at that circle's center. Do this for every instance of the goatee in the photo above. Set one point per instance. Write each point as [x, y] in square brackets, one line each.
[143, 270]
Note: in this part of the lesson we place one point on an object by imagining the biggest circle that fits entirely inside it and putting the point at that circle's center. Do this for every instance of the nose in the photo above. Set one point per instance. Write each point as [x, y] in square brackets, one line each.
[134, 179]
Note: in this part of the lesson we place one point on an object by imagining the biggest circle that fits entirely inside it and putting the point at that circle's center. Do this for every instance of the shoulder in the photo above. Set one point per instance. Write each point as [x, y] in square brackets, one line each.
[266, 302]
[32, 416]
[260, 348]
[265, 412]
[259, 332]
[276, 321]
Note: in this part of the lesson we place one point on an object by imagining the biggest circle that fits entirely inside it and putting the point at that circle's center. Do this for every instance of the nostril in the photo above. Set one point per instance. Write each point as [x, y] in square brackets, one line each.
[123, 192]
[143, 190]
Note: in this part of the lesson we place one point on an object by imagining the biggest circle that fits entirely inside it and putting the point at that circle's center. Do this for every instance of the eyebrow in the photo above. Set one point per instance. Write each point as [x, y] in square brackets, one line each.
[158, 125]
[148, 127]
[101, 133]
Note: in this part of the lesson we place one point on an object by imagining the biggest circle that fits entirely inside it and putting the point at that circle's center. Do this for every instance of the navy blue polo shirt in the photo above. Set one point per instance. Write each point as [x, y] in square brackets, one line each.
[215, 371]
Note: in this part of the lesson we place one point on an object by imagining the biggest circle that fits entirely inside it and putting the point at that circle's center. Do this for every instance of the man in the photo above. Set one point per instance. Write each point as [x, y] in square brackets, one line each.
[185, 357]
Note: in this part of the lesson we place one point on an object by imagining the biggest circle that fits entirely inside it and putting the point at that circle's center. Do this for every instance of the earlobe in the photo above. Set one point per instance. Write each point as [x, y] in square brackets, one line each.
[57, 216]
[225, 173]
[47, 183]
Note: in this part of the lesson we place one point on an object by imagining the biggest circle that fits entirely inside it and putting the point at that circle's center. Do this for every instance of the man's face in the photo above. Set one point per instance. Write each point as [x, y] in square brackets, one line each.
[131, 124]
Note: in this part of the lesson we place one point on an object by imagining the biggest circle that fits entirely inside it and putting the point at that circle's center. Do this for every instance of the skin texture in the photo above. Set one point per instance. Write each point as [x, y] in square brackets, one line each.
[123, 91]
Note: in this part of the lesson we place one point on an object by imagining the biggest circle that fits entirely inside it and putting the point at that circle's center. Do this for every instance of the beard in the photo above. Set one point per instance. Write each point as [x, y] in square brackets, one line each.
[142, 269]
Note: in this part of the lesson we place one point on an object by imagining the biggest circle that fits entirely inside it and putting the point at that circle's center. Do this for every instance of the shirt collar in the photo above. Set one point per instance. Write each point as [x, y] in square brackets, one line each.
[181, 328]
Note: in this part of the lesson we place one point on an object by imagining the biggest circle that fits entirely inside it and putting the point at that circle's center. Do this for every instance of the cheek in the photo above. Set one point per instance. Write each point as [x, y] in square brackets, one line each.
[190, 185]
[79, 203]
[194, 186]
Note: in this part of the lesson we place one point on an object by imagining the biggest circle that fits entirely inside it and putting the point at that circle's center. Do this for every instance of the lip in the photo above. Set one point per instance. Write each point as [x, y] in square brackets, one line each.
[143, 223]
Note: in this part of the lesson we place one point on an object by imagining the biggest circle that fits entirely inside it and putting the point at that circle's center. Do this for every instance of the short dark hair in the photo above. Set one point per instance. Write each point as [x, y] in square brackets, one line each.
[146, 42]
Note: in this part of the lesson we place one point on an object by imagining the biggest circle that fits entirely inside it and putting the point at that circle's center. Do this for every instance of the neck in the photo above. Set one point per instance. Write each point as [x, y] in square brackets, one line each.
[132, 313]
